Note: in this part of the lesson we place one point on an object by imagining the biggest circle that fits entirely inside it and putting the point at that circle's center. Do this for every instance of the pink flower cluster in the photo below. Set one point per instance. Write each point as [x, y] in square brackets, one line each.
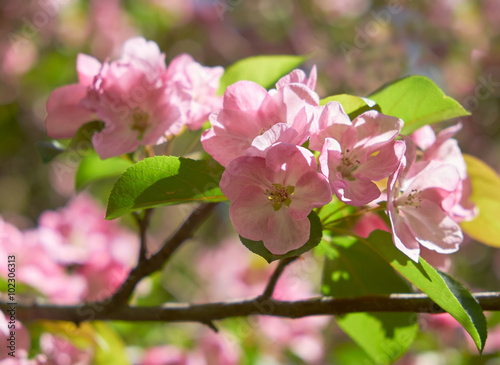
[273, 181]
[210, 348]
[139, 99]
[73, 255]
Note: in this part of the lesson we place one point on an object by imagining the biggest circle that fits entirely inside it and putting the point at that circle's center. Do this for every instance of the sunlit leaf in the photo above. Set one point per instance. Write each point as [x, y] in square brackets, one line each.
[445, 291]
[418, 101]
[354, 269]
[110, 349]
[264, 70]
[353, 105]
[485, 183]
[165, 180]
[314, 238]
[92, 168]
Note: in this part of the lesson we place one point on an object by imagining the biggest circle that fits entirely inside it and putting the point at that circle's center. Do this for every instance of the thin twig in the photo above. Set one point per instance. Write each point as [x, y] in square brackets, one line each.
[146, 266]
[268, 292]
[206, 313]
[143, 223]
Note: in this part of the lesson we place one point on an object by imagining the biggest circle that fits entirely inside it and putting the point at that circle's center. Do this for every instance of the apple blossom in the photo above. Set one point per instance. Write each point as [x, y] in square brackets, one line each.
[356, 154]
[195, 89]
[252, 119]
[74, 254]
[442, 147]
[417, 197]
[273, 195]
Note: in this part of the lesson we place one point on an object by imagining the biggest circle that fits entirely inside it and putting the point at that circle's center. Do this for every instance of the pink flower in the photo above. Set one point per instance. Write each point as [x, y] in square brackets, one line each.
[417, 204]
[358, 153]
[195, 88]
[128, 94]
[164, 355]
[59, 351]
[273, 195]
[252, 119]
[445, 149]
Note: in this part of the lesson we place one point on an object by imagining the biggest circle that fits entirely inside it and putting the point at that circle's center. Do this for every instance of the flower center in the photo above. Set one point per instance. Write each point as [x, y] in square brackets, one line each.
[413, 199]
[140, 122]
[350, 163]
[279, 195]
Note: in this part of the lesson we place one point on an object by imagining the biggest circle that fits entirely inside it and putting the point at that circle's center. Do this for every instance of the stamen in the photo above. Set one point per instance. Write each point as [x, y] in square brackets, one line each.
[279, 195]
[140, 123]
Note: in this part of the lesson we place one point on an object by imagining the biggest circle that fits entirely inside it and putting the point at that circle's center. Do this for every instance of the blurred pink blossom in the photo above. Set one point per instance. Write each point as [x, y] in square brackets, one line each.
[244, 276]
[74, 255]
[210, 349]
[195, 88]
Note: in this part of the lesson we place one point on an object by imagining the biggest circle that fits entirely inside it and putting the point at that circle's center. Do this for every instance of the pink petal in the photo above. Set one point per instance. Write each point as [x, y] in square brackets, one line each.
[312, 190]
[280, 132]
[88, 67]
[424, 137]
[331, 155]
[356, 192]
[379, 166]
[286, 163]
[328, 124]
[64, 113]
[115, 141]
[433, 228]
[242, 172]
[251, 212]
[403, 237]
[376, 130]
[244, 96]
[284, 233]
[436, 175]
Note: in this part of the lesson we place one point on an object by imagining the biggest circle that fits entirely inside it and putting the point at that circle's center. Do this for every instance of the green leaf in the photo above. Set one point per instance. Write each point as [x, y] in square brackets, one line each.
[92, 168]
[110, 349]
[82, 140]
[48, 150]
[353, 105]
[418, 101]
[441, 288]
[264, 70]
[165, 180]
[314, 238]
[353, 269]
[485, 183]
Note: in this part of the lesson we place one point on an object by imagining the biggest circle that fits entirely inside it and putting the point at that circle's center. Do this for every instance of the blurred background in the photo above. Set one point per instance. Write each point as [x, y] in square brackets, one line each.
[357, 45]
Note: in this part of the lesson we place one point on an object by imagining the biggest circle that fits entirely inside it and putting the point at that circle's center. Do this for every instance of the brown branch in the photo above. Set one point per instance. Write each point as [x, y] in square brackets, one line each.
[268, 292]
[206, 313]
[147, 266]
